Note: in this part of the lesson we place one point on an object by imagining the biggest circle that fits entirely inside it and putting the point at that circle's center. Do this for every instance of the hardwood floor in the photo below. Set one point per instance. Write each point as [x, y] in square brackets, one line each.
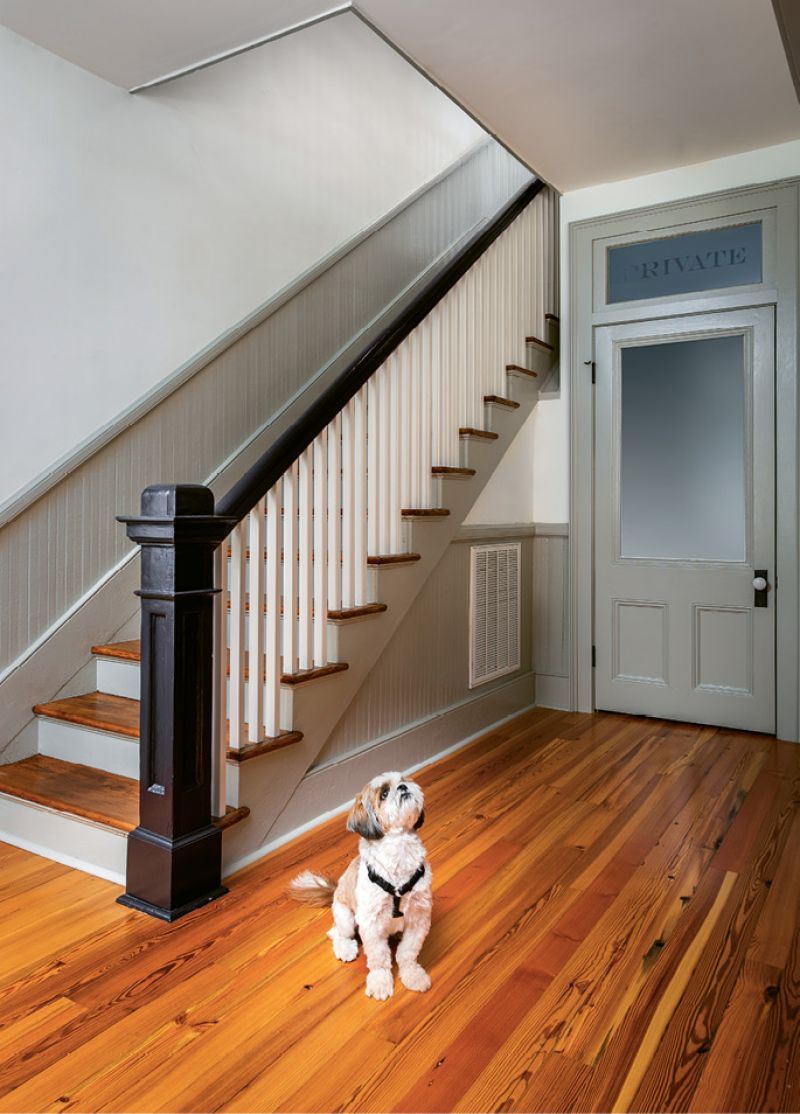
[616, 927]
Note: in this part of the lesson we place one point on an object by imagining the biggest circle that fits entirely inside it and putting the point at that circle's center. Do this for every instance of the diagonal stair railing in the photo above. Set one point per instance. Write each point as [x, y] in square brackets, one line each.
[238, 597]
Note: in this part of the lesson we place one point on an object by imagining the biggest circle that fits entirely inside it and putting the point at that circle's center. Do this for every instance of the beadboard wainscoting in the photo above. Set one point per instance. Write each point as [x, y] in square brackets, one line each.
[211, 421]
[551, 614]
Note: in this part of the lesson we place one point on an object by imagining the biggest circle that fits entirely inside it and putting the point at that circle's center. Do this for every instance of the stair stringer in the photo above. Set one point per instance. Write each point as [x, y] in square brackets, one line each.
[267, 784]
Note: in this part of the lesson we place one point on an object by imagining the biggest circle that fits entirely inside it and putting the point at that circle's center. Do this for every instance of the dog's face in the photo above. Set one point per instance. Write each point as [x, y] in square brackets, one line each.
[388, 803]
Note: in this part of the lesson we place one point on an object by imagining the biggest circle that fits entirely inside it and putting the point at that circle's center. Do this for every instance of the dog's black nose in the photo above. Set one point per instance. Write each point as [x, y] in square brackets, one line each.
[403, 789]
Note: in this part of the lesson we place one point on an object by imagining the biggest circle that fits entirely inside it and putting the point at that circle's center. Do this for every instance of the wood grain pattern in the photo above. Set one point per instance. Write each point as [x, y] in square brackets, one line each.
[517, 369]
[393, 558]
[129, 650]
[84, 791]
[497, 400]
[486, 434]
[616, 927]
[99, 710]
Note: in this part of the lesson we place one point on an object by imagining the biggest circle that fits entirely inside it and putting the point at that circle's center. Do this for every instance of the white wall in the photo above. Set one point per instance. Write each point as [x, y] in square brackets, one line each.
[137, 229]
[551, 448]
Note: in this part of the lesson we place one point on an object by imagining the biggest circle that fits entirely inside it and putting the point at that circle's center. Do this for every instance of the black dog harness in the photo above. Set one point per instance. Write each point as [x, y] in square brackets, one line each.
[393, 890]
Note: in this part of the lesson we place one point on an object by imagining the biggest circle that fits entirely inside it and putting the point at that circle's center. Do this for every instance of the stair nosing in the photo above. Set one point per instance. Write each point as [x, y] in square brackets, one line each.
[264, 746]
[498, 400]
[82, 719]
[483, 434]
[539, 343]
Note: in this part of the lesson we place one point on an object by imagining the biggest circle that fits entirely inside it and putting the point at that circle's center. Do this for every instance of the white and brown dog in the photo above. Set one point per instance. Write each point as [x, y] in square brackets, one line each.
[385, 890]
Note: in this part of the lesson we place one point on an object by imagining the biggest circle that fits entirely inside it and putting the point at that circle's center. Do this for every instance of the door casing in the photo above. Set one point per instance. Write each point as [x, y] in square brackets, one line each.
[777, 205]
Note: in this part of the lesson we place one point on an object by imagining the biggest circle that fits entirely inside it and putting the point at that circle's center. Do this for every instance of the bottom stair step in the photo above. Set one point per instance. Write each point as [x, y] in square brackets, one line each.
[83, 791]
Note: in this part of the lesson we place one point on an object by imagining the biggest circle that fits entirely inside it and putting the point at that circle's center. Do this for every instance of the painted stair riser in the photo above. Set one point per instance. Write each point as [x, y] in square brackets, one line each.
[104, 750]
[117, 677]
[64, 838]
[539, 359]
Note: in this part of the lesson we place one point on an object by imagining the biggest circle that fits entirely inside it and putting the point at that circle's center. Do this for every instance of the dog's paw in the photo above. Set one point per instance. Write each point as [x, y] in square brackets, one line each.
[414, 977]
[380, 985]
[345, 949]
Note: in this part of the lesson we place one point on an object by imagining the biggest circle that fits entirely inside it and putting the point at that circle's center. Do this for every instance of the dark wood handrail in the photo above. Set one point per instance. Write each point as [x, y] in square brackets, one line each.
[285, 450]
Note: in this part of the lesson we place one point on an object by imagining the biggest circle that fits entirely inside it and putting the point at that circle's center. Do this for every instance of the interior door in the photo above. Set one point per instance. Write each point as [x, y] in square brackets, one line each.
[685, 519]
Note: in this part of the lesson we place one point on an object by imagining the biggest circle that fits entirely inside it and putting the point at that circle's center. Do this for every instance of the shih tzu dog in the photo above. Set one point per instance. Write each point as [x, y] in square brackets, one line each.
[385, 890]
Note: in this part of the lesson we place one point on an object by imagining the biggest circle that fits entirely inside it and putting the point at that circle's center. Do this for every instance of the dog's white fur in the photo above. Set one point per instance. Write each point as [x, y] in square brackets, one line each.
[386, 814]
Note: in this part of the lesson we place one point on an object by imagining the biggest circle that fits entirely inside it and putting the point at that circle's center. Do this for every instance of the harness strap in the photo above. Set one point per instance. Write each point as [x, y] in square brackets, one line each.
[395, 892]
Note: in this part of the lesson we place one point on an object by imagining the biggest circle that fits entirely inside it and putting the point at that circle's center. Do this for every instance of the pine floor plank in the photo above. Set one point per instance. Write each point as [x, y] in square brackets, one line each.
[616, 926]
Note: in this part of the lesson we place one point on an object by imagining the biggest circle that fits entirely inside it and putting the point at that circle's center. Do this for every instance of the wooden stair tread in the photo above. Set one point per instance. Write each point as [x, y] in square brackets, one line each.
[468, 431]
[498, 400]
[517, 369]
[303, 675]
[125, 651]
[98, 710]
[264, 746]
[447, 470]
[540, 343]
[232, 816]
[344, 613]
[69, 787]
[423, 512]
[393, 558]
[84, 791]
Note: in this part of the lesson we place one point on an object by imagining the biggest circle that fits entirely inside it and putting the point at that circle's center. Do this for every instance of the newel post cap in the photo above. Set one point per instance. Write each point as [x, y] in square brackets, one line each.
[176, 501]
[177, 513]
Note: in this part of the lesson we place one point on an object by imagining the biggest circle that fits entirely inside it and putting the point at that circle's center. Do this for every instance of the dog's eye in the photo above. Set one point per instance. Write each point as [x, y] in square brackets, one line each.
[384, 792]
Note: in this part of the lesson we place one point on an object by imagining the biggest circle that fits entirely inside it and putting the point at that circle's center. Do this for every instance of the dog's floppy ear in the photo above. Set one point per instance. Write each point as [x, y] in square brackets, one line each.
[362, 819]
[420, 820]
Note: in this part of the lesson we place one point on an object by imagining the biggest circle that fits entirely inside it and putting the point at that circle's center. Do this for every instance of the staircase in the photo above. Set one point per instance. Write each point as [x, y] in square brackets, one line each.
[317, 575]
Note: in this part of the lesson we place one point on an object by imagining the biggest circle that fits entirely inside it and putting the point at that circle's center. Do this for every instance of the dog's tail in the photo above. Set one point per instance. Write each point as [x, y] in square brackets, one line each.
[312, 889]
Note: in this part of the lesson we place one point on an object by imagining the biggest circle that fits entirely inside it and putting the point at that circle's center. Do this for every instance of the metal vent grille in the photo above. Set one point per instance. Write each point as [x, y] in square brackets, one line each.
[494, 633]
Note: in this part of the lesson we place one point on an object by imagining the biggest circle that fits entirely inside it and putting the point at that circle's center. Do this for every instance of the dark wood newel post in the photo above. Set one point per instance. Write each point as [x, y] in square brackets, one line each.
[175, 854]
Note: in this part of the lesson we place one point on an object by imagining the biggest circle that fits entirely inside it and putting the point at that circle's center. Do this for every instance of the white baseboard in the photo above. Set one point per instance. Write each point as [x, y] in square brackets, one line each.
[330, 790]
[552, 692]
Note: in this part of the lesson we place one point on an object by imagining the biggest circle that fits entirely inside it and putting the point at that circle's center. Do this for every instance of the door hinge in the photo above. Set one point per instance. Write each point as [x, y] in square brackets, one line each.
[594, 657]
[593, 366]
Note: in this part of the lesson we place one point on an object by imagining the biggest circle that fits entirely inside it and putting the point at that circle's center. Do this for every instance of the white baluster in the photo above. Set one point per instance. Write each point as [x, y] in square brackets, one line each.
[382, 484]
[405, 419]
[425, 411]
[304, 572]
[348, 509]
[272, 642]
[395, 469]
[255, 629]
[236, 641]
[290, 483]
[373, 443]
[360, 498]
[320, 453]
[335, 514]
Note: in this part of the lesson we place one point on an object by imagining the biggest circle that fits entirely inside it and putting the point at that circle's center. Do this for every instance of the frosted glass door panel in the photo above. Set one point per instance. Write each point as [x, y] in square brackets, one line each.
[683, 451]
